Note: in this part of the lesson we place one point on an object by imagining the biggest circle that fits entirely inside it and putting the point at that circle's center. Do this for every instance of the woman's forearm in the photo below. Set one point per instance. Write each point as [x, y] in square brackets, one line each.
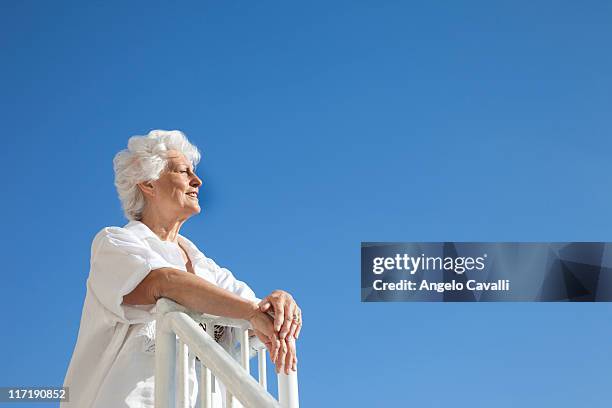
[200, 295]
[192, 292]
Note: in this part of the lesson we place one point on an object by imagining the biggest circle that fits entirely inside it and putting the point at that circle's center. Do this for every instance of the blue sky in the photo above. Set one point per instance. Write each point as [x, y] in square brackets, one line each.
[323, 124]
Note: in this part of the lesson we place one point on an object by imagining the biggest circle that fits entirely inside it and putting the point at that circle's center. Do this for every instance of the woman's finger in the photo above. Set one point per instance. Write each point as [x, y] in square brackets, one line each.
[282, 352]
[264, 306]
[295, 323]
[299, 324]
[291, 361]
[290, 356]
[294, 360]
[289, 313]
[279, 315]
[276, 346]
[292, 329]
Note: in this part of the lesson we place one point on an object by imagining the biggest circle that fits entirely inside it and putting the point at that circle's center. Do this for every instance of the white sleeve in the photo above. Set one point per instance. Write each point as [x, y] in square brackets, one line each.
[225, 279]
[119, 262]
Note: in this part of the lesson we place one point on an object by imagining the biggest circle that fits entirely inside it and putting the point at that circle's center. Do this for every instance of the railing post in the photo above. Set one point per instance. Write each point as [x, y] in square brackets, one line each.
[165, 365]
[210, 329]
[183, 376]
[288, 389]
[245, 349]
[205, 386]
[261, 365]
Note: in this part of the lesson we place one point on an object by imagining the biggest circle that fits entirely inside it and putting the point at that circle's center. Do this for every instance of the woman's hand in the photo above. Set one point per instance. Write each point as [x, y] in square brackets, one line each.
[287, 354]
[287, 314]
[263, 326]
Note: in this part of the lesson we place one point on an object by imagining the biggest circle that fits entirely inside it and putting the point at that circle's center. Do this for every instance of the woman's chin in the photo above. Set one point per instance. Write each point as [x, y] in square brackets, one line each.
[189, 211]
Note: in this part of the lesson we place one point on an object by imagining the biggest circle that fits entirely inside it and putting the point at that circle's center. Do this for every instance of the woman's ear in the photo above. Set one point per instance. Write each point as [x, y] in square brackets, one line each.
[147, 188]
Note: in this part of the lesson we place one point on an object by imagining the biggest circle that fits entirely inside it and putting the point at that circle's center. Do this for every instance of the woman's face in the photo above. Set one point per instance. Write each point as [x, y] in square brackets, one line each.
[176, 191]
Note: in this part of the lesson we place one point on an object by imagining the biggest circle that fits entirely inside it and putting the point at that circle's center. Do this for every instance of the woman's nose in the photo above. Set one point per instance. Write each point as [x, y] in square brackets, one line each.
[195, 181]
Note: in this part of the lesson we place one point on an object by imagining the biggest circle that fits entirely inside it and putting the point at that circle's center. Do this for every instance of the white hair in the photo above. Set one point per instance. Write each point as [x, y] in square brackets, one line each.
[144, 160]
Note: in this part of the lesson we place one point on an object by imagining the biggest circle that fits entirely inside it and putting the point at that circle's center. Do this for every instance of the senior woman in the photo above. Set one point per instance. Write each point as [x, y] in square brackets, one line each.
[132, 267]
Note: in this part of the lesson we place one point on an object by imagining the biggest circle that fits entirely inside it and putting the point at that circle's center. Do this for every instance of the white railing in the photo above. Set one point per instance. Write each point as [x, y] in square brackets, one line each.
[174, 321]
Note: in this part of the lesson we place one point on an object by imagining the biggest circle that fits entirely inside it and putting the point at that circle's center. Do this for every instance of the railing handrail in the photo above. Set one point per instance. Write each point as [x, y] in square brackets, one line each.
[165, 305]
[174, 319]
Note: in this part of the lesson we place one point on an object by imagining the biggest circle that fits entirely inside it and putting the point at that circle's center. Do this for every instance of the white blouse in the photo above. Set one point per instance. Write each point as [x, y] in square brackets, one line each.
[113, 363]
